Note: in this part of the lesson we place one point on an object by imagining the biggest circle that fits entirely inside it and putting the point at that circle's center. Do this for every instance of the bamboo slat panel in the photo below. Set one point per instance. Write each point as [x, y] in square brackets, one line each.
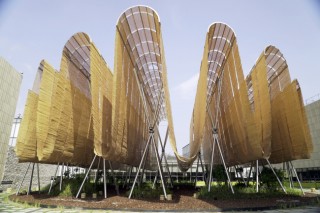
[291, 138]
[244, 126]
[26, 145]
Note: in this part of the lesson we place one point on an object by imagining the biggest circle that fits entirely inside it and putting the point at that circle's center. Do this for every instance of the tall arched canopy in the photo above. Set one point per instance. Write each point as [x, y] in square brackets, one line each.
[77, 50]
[139, 28]
[220, 40]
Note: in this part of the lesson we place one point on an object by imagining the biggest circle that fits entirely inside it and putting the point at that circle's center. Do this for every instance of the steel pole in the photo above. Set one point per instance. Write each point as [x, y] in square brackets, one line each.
[289, 175]
[126, 177]
[257, 176]
[197, 172]
[114, 178]
[61, 177]
[104, 179]
[165, 158]
[143, 167]
[140, 164]
[54, 178]
[30, 184]
[224, 163]
[84, 179]
[202, 167]
[277, 177]
[294, 170]
[236, 167]
[211, 165]
[38, 178]
[23, 179]
[97, 172]
[159, 166]
[248, 178]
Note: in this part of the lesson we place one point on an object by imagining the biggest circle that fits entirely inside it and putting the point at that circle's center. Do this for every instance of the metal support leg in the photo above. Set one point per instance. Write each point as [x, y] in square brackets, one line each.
[163, 156]
[295, 172]
[114, 178]
[224, 164]
[248, 178]
[104, 179]
[142, 173]
[97, 172]
[84, 179]
[276, 177]
[54, 179]
[195, 183]
[203, 170]
[155, 180]
[240, 175]
[23, 179]
[128, 177]
[61, 177]
[168, 170]
[38, 177]
[163, 146]
[143, 167]
[211, 165]
[159, 165]
[257, 176]
[30, 184]
[289, 175]
[140, 164]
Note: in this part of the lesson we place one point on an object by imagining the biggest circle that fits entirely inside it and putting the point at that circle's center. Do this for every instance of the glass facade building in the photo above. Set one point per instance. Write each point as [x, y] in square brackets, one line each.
[10, 81]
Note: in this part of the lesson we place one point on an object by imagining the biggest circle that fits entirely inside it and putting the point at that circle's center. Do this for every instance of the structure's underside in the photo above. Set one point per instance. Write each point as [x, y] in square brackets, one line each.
[84, 109]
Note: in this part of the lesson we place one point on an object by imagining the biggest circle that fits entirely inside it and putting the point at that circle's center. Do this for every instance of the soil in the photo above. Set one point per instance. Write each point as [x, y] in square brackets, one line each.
[182, 199]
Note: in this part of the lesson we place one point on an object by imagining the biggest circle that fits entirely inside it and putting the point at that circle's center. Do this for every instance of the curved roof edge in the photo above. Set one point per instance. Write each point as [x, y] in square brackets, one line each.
[139, 5]
[214, 23]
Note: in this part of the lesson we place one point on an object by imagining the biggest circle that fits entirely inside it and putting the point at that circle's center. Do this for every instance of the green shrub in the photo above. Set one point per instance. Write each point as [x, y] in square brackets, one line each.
[146, 191]
[88, 188]
[222, 192]
[66, 192]
[240, 185]
[220, 174]
[269, 180]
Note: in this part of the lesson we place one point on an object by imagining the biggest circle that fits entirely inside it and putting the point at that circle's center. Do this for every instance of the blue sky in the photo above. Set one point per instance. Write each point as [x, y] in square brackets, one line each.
[38, 29]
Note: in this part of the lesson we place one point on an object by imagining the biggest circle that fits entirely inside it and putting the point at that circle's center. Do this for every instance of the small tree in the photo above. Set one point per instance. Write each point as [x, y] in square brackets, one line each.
[220, 174]
[267, 177]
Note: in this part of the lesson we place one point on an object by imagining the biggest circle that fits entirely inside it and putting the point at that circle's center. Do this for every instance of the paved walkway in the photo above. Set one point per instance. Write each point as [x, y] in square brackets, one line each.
[317, 192]
[8, 206]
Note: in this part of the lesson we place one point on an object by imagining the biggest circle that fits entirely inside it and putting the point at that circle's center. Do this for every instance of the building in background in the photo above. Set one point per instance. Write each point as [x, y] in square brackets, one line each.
[10, 81]
[186, 151]
[309, 169]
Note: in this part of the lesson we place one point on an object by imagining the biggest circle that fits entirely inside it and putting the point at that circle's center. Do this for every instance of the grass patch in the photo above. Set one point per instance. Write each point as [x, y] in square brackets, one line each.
[223, 192]
[145, 190]
[70, 188]
[305, 184]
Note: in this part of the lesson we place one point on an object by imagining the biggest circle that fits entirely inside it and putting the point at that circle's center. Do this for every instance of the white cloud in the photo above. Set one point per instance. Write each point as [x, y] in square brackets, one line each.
[187, 89]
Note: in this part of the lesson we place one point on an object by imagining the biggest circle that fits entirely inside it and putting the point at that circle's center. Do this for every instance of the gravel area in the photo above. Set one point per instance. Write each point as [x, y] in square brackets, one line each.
[181, 200]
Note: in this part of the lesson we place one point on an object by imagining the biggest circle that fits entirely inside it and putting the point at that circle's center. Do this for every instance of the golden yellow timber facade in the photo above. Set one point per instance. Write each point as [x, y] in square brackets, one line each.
[258, 117]
[85, 110]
